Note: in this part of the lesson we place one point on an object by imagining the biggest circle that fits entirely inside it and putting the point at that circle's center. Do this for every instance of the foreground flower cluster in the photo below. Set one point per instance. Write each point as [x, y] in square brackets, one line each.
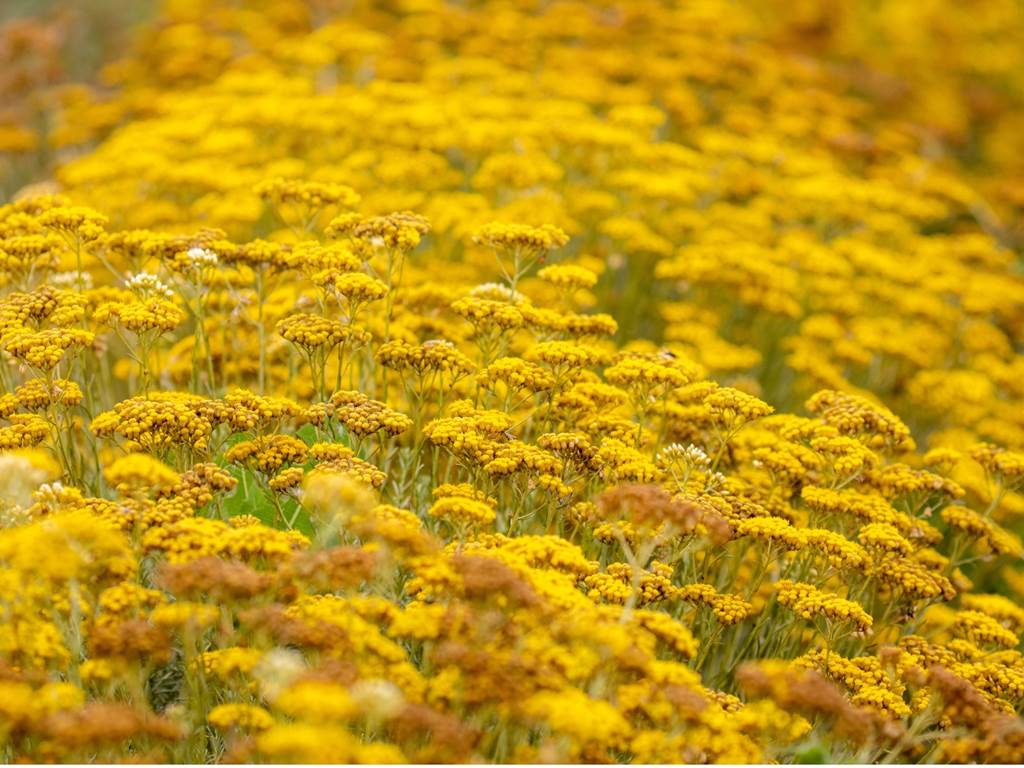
[453, 383]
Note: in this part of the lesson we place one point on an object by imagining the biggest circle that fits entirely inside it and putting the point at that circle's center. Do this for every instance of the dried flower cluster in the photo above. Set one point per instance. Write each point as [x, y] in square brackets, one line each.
[516, 382]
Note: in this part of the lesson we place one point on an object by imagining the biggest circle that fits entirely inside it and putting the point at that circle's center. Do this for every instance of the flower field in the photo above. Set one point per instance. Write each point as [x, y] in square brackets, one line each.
[512, 381]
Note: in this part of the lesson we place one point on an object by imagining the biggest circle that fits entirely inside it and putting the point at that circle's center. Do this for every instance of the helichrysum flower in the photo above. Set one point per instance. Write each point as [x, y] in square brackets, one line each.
[139, 471]
[358, 287]
[568, 276]
[44, 350]
[156, 423]
[247, 717]
[436, 356]
[364, 416]
[462, 511]
[24, 431]
[519, 237]
[74, 221]
[401, 231]
[984, 630]
[39, 394]
[268, 454]
[486, 314]
[773, 530]
[727, 609]
[516, 374]
[809, 602]
[310, 194]
[316, 701]
[882, 537]
[312, 332]
[561, 355]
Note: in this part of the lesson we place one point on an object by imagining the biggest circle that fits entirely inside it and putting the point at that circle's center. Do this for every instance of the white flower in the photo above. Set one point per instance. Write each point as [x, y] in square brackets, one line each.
[693, 455]
[277, 670]
[201, 257]
[497, 292]
[49, 493]
[380, 699]
[144, 284]
[18, 479]
[79, 280]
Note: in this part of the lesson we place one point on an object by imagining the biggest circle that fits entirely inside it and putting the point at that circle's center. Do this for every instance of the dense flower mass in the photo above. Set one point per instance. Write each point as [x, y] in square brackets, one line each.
[514, 381]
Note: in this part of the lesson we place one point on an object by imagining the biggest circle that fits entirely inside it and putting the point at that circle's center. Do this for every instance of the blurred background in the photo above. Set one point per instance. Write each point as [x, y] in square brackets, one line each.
[953, 70]
[46, 44]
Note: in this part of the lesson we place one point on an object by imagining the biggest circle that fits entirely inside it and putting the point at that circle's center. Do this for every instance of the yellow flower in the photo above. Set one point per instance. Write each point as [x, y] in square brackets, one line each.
[244, 716]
